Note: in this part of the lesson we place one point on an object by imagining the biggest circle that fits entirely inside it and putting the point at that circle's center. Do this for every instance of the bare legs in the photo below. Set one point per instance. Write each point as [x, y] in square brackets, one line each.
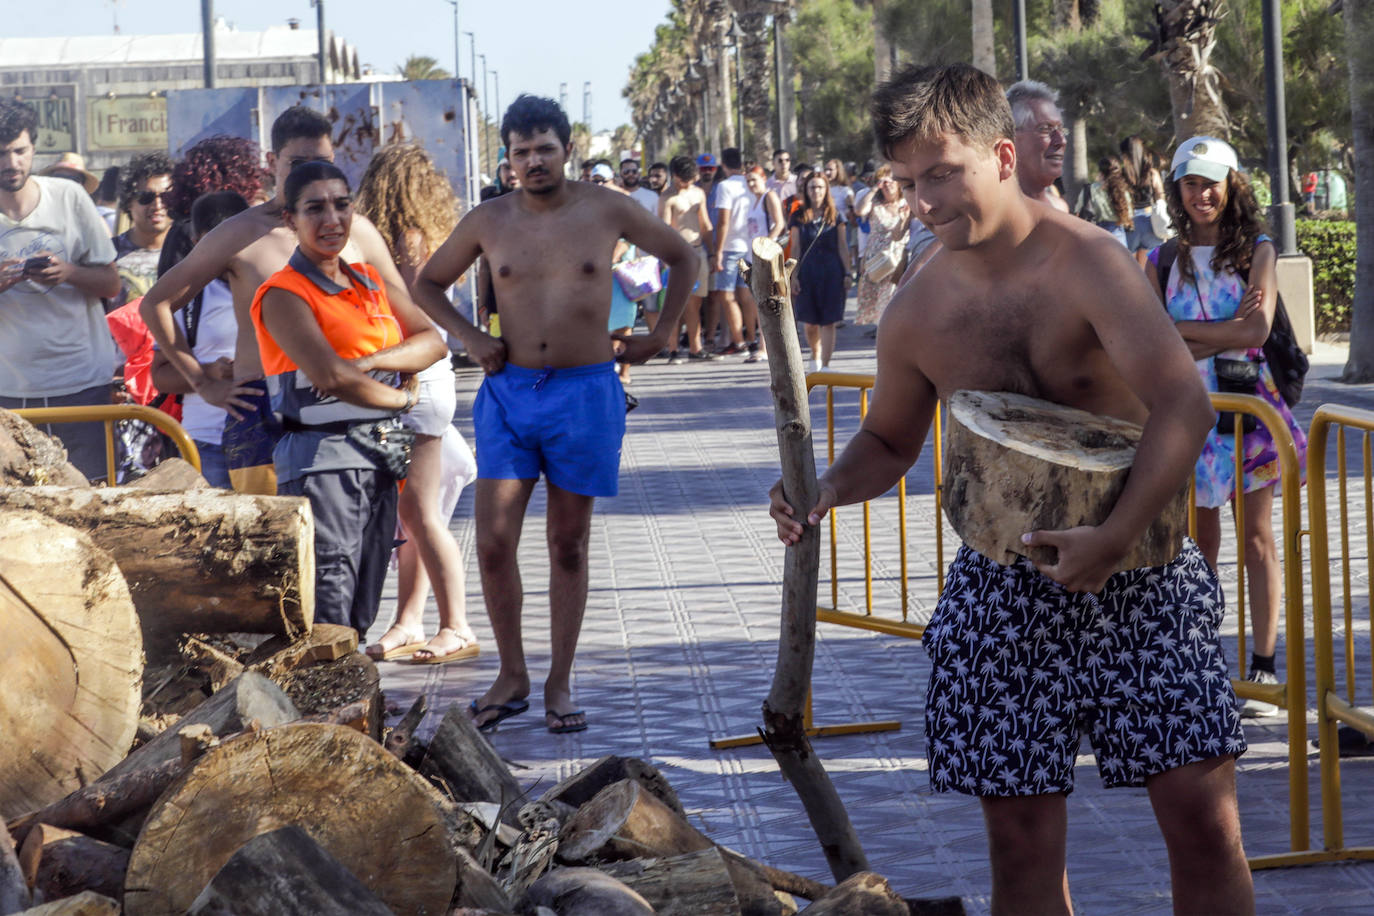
[725, 301]
[1263, 573]
[500, 515]
[821, 339]
[1195, 806]
[692, 317]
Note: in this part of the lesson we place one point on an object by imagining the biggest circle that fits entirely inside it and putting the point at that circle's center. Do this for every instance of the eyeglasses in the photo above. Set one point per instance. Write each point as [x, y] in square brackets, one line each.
[629, 171]
[146, 198]
[1047, 129]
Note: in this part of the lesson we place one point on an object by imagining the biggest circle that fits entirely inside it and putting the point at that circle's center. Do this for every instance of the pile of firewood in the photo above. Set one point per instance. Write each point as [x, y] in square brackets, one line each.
[178, 622]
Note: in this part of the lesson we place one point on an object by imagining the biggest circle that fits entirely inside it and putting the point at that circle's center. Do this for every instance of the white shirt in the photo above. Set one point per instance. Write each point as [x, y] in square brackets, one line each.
[732, 195]
[646, 199]
[216, 332]
[841, 194]
[54, 340]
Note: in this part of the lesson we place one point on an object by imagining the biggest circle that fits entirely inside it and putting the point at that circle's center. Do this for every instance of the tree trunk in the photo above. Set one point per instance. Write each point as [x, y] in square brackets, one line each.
[202, 561]
[787, 97]
[378, 817]
[692, 884]
[984, 35]
[63, 863]
[586, 892]
[468, 766]
[72, 662]
[784, 732]
[30, 457]
[14, 889]
[1359, 31]
[754, 78]
[625, 822]
[93, 808]
[285, 871]
[1015, 464]
[1186, 36]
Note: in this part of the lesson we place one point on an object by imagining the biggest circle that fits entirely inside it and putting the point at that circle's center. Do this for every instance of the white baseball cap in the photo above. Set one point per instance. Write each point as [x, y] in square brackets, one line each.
[1208, 157]
[602, 170]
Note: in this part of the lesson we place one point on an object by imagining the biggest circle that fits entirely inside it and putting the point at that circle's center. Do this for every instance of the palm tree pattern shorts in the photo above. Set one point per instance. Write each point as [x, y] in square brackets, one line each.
[1021, 668]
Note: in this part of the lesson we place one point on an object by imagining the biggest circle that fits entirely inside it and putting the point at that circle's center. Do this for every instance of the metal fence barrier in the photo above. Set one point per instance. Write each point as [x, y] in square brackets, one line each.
[110, 414]
[1335, 706]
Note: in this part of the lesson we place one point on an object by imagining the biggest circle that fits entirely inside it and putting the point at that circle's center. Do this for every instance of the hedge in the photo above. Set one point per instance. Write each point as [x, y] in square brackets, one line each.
[1330, 243]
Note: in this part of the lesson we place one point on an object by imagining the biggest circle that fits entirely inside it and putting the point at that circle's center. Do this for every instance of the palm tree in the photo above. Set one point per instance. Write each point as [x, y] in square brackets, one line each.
[755, 79]
[1185, 33]
[419, 67]
[1359, 36]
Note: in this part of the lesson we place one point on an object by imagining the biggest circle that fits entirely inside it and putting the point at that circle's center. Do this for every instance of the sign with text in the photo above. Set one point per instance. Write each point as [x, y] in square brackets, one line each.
[127, 122]
[56, 107]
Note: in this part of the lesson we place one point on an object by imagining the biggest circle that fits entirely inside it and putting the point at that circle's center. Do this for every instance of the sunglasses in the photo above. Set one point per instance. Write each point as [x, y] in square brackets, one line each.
[598, 181]
[146, 198]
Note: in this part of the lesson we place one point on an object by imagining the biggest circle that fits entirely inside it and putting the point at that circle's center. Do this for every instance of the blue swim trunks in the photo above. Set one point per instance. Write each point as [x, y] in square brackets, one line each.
[564, 423]
[248, 443]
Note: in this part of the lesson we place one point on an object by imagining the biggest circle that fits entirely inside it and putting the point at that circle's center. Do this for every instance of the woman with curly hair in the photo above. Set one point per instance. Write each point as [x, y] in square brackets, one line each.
[218, 164]
[1220, 288]
[412, 205]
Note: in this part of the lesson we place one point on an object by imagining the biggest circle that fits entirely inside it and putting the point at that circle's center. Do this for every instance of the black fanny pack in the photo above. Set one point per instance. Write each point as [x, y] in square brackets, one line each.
[1236, 376]
[386, 443]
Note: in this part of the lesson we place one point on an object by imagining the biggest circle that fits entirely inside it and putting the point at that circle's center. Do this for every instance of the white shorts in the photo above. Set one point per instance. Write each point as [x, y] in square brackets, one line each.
[433, 412]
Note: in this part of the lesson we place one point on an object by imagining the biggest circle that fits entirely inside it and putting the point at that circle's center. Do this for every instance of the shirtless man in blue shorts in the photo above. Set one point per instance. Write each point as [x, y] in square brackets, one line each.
[551, 403]
[1025, 658]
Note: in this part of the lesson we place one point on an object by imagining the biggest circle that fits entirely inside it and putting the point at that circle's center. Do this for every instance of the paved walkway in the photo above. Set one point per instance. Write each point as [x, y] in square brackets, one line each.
[680, 642]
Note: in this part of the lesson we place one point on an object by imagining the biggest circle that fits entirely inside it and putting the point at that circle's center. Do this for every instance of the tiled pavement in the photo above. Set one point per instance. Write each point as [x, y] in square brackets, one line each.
[680, 641]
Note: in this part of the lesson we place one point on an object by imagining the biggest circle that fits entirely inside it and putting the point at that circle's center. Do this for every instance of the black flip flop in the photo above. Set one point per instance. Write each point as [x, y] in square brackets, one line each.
[563, 729]
[503, 711]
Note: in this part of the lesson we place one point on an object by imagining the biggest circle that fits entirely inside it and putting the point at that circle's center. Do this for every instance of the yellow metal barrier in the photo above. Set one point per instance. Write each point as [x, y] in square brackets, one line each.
[1334, 709]
[109, 414]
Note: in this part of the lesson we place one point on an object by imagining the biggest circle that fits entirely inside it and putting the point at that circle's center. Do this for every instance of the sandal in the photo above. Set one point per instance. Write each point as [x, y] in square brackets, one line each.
[466, 648]
[381, 651]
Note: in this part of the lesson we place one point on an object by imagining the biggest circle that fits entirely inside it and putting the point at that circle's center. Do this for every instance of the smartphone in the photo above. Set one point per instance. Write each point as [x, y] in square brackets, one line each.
[38, 264]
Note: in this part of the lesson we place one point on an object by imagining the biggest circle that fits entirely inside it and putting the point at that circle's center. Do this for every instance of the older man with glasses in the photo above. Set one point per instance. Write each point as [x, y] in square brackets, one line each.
[1041, 140]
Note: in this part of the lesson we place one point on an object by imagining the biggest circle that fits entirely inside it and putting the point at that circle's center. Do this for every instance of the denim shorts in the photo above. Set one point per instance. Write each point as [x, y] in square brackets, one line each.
[726, 280]
[1141, 236]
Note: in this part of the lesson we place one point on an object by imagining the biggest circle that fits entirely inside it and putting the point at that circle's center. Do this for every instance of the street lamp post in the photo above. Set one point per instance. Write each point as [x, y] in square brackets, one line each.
[319, 29]
[457, 43]
[737, 42]
[1018, 22]
[486, 116]
[1281, 210]
[496, 86]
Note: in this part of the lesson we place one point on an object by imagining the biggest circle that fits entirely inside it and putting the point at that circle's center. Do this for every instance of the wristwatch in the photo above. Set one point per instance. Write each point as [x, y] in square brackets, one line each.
[410, 400]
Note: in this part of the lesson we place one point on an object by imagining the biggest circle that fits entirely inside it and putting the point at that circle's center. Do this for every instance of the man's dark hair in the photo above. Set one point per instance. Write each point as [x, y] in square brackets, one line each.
[529, 114]
[684, 168]
[211, 209]
[306, 173]
[730, 158]
[108, 189]
[659, 165]
[176, 245]
[299, 121]
[780, 152]
[149, 165]
[925, 102]
[15, 118]
[630, 159]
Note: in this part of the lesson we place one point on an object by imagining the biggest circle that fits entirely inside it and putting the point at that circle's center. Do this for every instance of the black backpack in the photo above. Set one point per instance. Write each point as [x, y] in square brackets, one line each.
[1281, 351]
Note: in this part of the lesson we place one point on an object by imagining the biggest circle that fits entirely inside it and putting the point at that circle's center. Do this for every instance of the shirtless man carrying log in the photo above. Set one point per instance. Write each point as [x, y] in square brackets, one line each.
[1025, 657]
[245, 250]
[551, 402]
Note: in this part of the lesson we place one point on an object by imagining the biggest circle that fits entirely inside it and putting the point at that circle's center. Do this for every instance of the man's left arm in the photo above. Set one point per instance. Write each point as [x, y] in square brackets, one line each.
[643, 230]
[1152, 359]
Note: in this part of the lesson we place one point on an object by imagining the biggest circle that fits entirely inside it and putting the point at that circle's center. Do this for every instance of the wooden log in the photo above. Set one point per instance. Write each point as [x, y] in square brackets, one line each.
[72, 662]
[624, 821]
[324, 643]
[14, 889]
[220, 667]
[201, 561]
[64, 863]
[378, 817]
[399, 739]
[462, 760]
[171, 476]
[784, 730]
[285, 871]
[87, 903]
[1015, 464]
[585, 892]
[350, 683]
[692, 884]
[582, 786]
[249, 697]
[785, 881]
[30, 457]
[862, 894]
[477, 888]
[103, 803]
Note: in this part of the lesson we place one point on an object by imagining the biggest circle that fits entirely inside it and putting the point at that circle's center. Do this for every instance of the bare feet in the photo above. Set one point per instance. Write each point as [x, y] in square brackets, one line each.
[395, 642]
[448, 645]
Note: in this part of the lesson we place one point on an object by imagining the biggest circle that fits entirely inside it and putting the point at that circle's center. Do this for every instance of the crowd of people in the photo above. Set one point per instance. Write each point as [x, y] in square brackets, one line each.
[296, 324]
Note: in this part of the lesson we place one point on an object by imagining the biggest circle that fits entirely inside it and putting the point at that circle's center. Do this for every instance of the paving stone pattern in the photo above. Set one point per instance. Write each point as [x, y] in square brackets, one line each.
[680, 641]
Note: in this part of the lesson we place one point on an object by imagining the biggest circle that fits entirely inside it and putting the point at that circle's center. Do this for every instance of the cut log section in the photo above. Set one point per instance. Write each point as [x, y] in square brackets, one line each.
[379, 818]
[351, 682]
[583, 786]
[462, 760]
[324, 643]
[14, 888]
[63, 863]
[864, 893]
[692, 884]
[624, 821]
[30, 457]
[1015, 464]
[72, 662]
[88, 903]
[285, 871]
[171, 476]
[586, 892]
[201, 561]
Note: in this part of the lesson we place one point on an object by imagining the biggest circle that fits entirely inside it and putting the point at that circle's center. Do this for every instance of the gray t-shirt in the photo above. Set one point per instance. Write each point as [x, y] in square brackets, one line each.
[54, 340]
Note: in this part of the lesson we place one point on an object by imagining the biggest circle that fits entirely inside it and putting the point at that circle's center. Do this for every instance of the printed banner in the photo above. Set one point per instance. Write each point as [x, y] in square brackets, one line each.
[127, 122]
[56, 107]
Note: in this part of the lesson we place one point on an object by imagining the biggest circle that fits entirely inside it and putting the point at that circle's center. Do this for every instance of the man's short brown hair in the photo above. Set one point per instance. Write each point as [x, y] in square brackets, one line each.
[925, 102]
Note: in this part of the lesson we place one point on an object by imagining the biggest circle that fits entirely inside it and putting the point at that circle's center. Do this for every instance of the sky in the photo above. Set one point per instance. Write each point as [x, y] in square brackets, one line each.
[533, 45]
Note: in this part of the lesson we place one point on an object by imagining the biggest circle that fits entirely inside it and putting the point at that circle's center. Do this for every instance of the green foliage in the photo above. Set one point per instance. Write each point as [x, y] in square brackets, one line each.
[1330, 243]
[833, 55]
[419, 67]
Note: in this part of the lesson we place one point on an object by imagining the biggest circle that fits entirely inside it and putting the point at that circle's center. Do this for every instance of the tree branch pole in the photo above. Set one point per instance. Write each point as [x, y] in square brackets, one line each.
[784, 728]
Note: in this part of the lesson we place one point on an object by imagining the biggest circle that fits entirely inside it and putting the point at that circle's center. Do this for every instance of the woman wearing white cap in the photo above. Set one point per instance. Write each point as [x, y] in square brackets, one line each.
[1218, 283]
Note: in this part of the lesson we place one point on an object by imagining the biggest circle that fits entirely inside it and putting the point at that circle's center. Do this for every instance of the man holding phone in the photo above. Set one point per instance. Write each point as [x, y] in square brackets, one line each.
[56, 262]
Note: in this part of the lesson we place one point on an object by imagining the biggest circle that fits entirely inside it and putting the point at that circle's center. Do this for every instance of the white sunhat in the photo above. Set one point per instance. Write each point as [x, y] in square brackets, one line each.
[1208, 157]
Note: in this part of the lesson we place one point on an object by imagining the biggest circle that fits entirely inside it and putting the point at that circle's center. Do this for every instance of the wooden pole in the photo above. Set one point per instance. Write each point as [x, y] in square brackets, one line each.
[784, 729]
